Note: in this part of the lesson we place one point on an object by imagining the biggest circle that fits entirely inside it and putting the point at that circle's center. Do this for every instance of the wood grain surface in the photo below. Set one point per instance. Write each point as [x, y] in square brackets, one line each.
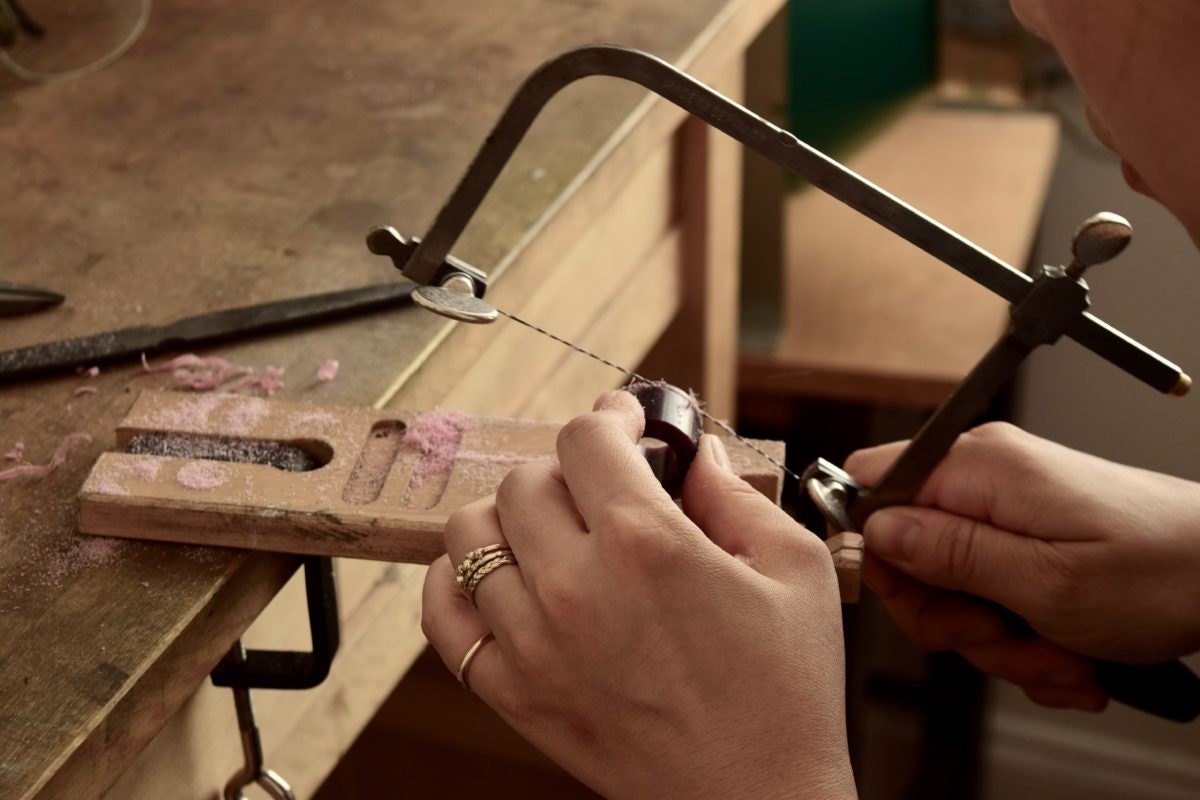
[238, 154]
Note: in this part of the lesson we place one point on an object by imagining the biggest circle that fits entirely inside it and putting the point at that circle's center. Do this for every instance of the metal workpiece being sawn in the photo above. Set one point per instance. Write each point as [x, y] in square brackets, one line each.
[428, 261]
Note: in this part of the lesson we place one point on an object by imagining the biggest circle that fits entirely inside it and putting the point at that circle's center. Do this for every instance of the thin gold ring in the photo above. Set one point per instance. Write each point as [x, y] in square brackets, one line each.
[470, 656]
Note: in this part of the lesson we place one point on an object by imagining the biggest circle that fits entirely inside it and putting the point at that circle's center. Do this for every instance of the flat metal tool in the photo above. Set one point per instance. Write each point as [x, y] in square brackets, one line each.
[213, 326]
[18, 299]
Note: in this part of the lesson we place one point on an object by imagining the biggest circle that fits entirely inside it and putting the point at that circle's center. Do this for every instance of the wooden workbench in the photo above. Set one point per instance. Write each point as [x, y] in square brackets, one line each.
[239, 153]
[868, 317]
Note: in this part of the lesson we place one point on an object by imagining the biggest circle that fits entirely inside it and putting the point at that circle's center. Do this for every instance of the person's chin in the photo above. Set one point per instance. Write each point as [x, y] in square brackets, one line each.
[1135, 180]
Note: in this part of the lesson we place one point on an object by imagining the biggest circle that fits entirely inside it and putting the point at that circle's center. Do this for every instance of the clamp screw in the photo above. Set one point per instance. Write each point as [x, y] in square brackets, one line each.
[1099, 238]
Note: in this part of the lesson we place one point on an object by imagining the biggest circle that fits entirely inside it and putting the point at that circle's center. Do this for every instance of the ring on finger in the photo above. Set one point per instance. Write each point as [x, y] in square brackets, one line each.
[485, 569]
[472, 559]
[480, 563]
[470, 656]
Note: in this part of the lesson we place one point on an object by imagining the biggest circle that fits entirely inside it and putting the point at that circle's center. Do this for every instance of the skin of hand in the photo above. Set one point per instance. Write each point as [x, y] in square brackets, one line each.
[651, 652]
[1138, 66]
[1101, 560]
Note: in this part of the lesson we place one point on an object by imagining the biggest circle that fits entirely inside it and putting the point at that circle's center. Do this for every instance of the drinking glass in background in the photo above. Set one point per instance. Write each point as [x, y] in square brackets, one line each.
[54, 40]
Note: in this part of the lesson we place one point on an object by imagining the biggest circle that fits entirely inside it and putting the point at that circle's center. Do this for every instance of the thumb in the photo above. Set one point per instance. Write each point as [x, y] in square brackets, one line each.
[738, 518]
[959, 553]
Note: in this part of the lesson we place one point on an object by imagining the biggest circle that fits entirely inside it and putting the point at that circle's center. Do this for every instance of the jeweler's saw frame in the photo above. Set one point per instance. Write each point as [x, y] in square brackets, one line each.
[428, 261]
[1044, 308]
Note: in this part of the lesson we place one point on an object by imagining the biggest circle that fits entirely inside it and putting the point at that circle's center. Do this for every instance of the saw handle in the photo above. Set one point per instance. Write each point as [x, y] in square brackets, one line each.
[1168, 689]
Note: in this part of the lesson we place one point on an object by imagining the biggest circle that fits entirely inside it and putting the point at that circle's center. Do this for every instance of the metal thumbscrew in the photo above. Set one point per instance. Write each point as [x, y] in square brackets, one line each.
[1099, 238]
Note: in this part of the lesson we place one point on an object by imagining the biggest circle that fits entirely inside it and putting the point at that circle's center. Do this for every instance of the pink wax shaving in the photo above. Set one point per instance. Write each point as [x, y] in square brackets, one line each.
[271, 381]
[90, 372]
[56, 460]
[17, 451]
[203, 374]
[202, 476]
[195, 372]
[437, 436]
[82, 390]
[327, 371]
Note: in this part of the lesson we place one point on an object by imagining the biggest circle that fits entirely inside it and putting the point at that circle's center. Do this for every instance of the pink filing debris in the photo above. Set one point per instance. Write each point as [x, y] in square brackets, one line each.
[437, 436]
[95, 550]
[82, 390]
[202, 476]
[17, 451]
[92, 372]
[56, 460]
[328, 371]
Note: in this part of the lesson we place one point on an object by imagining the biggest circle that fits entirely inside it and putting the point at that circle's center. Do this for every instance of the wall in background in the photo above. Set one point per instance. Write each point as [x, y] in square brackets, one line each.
[1069, 395]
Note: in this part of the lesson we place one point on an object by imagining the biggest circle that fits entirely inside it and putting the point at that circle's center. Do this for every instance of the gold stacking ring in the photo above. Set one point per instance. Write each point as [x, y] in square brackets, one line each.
[480, 563]
[470, 656]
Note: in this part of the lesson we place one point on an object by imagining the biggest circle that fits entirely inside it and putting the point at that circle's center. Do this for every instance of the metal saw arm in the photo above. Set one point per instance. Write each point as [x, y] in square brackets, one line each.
[428, 261]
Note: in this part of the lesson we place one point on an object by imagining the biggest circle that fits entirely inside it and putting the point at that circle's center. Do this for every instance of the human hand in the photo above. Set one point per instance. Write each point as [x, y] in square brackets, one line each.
[651, 652]
[1101, 559]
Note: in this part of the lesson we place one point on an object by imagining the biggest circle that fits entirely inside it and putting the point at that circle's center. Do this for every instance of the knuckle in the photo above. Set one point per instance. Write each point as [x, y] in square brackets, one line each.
[651, 543]
[514, 487]
[562, 601]
[510, 703]
[1001, 445]
[808, 546]
[530, 654]
[579, 431]
[1059, 578]
[957, 550]
[995, 432]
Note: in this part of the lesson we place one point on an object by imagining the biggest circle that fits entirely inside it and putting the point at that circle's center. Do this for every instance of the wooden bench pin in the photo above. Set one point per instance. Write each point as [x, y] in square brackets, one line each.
[236, 471]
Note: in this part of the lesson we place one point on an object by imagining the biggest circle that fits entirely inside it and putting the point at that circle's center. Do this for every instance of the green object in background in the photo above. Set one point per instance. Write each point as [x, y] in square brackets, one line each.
[852, 61]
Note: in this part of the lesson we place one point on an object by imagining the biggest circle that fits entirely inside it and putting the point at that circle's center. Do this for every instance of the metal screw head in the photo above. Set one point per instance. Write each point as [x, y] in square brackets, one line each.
[1099, 238]
[385, 241]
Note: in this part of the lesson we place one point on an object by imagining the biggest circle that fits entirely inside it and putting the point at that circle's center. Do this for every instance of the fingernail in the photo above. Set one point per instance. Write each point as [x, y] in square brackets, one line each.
[607, 400]
[715, 449]
[892, 535]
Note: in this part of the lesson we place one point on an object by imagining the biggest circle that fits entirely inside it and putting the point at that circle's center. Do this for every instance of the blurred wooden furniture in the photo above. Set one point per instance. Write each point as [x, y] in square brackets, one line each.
[237, 154]
[868, 317]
